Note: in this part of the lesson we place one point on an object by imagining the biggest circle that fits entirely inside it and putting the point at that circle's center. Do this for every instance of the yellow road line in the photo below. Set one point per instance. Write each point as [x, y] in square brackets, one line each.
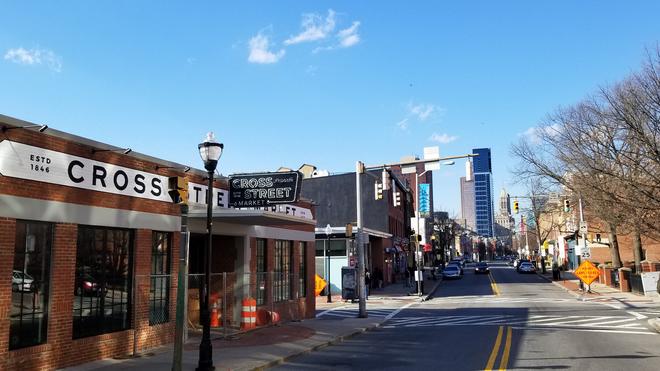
[496, 349]
[507, 350]
[493, 285]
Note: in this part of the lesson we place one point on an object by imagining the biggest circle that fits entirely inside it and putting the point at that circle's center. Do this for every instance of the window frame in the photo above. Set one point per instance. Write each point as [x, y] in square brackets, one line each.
[98, 323]
[302, 269]
[162, 275]
[46, 264]
[261, 269]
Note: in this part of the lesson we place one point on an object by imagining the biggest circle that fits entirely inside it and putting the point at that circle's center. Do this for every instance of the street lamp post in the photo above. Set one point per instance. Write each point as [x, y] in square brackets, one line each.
[210, 151]
[328, 232]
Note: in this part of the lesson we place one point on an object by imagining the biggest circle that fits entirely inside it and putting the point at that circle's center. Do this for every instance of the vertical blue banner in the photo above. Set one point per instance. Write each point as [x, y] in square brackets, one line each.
[424, 200]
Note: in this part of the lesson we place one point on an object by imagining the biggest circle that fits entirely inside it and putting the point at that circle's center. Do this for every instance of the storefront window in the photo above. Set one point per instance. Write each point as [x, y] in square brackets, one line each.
[302, 272]
[159, 293]
[102, 291]
[30, 284]
[261, 271]
[282, 271]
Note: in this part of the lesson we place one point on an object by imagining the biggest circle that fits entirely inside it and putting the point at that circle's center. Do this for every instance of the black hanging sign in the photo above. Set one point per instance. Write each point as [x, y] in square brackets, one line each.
[264, 189]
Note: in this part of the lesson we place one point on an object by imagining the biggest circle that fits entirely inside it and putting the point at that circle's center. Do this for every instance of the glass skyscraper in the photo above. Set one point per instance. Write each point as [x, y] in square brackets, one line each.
[483, 192]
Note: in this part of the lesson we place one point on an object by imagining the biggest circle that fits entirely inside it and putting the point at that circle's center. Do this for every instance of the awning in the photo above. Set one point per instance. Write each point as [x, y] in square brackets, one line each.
[251, 217]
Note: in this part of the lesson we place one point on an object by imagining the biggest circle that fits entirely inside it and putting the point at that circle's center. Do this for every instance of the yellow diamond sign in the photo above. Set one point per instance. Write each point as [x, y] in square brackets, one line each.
[587, 272]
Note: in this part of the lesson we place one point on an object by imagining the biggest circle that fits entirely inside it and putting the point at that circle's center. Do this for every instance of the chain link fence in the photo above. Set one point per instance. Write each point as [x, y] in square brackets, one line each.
[275, 296]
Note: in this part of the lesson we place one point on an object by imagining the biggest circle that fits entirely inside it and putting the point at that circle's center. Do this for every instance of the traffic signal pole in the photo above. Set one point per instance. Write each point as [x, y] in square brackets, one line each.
[359, 169]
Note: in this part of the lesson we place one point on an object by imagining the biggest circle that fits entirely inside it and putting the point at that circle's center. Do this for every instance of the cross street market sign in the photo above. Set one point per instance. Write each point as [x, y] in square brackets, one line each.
[264, 189]
[197, 195]
[23, 161]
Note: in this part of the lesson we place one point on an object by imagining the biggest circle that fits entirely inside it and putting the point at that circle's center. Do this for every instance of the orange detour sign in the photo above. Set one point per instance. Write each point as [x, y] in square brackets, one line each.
[587, 272]
[319, 285]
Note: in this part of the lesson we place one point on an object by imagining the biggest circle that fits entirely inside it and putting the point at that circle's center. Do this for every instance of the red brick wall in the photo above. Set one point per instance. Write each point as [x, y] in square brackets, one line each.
[62, 350]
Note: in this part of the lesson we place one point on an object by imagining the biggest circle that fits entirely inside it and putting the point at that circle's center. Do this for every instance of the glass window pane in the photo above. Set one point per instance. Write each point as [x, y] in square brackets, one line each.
[159, 297]
[30, 284]
[102, 288]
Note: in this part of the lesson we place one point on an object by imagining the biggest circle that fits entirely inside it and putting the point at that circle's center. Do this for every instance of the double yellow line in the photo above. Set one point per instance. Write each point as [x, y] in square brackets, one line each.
[493, 285]
[496, 349]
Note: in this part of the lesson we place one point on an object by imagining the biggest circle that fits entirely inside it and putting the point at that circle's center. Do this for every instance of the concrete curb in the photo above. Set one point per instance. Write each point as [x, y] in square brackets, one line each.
[435, 287]
[655, 323]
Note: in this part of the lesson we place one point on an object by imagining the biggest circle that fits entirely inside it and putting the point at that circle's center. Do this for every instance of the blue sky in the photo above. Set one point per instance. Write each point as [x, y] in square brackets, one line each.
[326, 83]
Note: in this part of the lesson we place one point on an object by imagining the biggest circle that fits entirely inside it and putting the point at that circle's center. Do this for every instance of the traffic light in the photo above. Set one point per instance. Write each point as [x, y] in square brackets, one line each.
[378, 191]
[567, 205]
[178, 189]
[516, 207]
[397, 198]
[386, 180]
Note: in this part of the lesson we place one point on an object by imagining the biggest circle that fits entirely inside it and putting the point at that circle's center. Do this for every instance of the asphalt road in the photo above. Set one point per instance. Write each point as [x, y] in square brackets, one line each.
[504, 320]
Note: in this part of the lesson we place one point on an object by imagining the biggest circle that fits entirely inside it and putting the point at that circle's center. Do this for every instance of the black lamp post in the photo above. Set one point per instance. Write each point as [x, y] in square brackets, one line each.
[210, 151]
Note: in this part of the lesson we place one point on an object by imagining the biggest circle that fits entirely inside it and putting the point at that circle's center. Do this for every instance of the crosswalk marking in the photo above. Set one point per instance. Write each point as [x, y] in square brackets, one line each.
[604, 323]
[349, 312]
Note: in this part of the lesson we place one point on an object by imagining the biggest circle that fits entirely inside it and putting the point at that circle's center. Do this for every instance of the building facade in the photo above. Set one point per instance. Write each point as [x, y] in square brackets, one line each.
[386, 224]
[483, 192]
[90, 238]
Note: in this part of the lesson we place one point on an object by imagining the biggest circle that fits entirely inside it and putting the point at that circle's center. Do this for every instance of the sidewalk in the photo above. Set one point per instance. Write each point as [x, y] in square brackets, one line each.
[267, 346]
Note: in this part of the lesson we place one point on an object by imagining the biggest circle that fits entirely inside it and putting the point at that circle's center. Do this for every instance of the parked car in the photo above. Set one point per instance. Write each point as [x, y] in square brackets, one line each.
[88, 285]
[520, 261]
[457, 265]
[481, 267]
[526, 267]
[451, 272]
[21, 281]
[458, 261]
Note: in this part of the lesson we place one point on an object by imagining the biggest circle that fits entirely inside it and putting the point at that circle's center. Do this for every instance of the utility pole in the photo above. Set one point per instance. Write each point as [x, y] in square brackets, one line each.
[359, 169]
[181, 292]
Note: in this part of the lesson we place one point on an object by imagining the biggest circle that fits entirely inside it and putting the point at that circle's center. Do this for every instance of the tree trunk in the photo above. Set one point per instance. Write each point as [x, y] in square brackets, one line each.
[637, 250]
[614, 247]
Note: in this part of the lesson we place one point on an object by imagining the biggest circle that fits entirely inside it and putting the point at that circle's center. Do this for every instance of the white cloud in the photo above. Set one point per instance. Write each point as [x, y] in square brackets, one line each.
[442, 138]
[349, 36]
[315, 27]
[403, 124]
[421, 111]
[259, 52]
[533, 134]
[35, 57]
[311, 70]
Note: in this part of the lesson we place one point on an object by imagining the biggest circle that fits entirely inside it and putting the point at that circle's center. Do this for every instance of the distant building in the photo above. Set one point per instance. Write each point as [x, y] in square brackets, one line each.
[467, 203]
[483, 192]
[504, 222]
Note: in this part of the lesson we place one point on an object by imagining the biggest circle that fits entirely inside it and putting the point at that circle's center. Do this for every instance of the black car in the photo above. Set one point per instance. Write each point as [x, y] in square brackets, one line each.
[481, 267]
[86, 285]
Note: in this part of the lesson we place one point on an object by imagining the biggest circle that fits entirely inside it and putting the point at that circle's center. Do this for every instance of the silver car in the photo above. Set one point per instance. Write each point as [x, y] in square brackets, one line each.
[21, 281]
[526, 267]
[451, 272]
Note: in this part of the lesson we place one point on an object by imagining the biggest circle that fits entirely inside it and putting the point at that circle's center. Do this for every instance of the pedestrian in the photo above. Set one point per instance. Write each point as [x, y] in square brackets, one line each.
[367, 282]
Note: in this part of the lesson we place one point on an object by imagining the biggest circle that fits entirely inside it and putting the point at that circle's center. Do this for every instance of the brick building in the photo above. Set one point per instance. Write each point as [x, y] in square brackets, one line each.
[91, 239]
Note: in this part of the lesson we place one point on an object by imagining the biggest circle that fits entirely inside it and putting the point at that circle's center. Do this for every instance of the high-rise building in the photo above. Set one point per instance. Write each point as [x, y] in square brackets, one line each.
[483, 192]
[467, 197]
[504, 222]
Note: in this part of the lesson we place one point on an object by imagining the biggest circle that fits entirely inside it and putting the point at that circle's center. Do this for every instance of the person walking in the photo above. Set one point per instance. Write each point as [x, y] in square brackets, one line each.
[367, 282]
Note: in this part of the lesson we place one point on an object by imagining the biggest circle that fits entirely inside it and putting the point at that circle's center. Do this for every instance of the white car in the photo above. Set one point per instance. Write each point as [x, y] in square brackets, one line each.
[526, 267]
[21, 281]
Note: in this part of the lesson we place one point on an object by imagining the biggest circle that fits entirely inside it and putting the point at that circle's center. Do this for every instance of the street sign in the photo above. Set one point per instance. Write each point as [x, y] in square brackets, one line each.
[587, 272]
[263, 189]
[583, 227]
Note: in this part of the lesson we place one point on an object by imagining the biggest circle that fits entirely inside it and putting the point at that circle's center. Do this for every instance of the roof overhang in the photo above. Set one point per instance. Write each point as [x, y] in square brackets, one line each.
[250, 217]
[342, 231]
